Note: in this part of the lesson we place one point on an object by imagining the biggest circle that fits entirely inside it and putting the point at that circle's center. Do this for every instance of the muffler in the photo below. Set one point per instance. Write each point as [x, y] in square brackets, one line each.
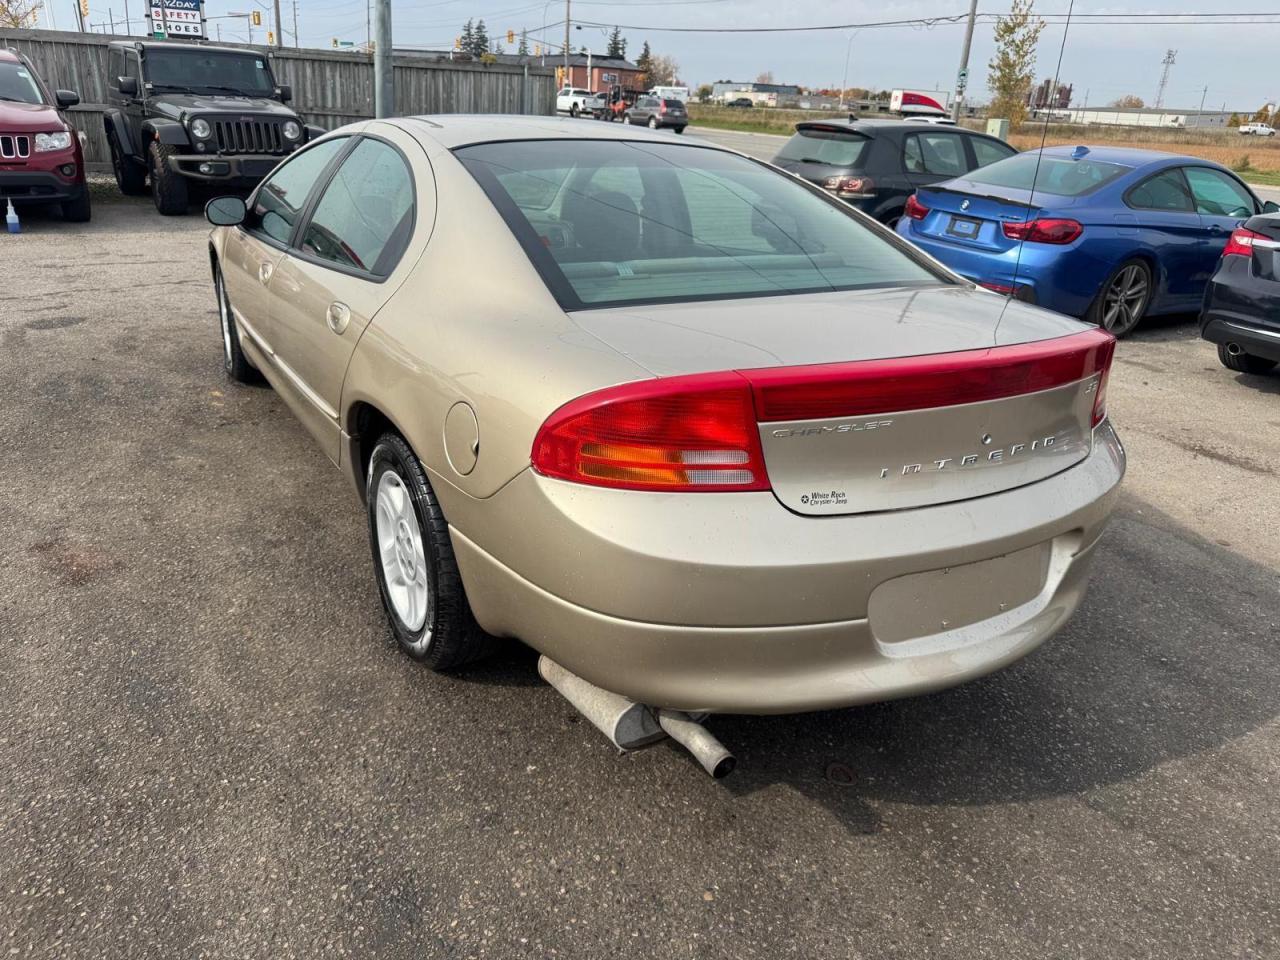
[630, 725]
[1234, 349]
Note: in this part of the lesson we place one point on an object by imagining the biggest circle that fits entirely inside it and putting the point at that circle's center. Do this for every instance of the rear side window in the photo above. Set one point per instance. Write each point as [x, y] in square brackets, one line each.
[1164, 191]
[829, 145]
[1218, 195]
[1057, 175]
[365, 217]
[940, 154]
[645, 222]
[989, 151]
[279, 201]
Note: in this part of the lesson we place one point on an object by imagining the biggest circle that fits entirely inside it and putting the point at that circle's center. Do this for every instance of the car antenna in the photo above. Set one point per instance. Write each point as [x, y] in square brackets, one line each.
[1035, 177]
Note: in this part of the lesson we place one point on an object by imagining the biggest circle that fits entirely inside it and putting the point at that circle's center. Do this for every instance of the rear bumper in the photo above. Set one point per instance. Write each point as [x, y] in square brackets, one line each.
[731, 603]
[1065, 279]
[40, 186]
[1243, 309]
[249, 168]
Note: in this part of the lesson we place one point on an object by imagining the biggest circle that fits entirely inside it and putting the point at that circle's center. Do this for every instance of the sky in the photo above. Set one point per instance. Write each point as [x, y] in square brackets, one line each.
[1235, 62]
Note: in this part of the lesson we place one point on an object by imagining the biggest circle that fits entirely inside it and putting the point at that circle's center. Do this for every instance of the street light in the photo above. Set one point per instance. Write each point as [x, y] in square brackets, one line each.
[848, 50]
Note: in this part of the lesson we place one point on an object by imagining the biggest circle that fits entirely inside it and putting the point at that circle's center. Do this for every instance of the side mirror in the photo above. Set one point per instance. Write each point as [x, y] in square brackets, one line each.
[1271, 207]
[66, 99]
[284, 92]
[225, 211]
[129, 86]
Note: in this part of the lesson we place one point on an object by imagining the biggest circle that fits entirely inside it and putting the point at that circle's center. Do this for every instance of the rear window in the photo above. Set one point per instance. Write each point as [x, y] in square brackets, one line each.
[839, 148]
[617, 222]
[1057, 175]
[673, 103]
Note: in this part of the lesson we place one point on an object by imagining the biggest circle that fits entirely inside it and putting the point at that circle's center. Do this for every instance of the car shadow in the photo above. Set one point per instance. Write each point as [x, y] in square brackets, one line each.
[1173, 651]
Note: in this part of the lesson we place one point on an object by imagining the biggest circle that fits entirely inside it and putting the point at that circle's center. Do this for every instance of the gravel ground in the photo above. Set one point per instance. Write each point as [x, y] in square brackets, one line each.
[212, 748]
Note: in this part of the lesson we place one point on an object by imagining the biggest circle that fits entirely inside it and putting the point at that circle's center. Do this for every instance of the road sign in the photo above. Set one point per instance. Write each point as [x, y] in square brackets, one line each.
[177, 18]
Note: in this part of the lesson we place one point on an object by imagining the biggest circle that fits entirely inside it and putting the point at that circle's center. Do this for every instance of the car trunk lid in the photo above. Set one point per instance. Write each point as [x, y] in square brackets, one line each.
[1265, 249]
[976, 218]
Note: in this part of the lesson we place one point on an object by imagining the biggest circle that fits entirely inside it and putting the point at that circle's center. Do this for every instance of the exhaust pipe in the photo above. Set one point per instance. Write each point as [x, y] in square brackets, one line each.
[630, 725]
[1234, 349]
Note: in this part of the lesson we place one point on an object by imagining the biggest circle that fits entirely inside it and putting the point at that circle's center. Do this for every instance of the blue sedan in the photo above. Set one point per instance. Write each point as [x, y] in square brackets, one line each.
[1108, 234]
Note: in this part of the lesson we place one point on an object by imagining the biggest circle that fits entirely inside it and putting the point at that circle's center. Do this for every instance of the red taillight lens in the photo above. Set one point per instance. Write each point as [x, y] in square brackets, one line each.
[662, 107]
[683, 434]
[1100, 396]
[914, 209]
[1047, 230]
[1241, 243]
[920, 383]
[854, 186]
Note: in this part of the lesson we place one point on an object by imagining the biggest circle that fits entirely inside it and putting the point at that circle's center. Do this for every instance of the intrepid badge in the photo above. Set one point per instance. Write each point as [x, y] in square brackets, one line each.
[1001, 455]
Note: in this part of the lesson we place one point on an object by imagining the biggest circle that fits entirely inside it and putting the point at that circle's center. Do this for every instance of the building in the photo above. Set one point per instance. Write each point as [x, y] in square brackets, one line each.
[597, 73]
[1138, 117]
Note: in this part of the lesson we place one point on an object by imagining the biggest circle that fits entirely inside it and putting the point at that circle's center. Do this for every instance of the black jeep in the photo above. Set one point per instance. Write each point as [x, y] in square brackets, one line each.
[179, 112]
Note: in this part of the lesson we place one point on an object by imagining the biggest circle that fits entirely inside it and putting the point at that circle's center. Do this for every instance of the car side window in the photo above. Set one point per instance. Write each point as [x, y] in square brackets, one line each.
[365, 217]
[989, 151]
[941, 154]
[132, 68]
[115, 68]
[279, 201]
[1218, 195]
[1165, 191]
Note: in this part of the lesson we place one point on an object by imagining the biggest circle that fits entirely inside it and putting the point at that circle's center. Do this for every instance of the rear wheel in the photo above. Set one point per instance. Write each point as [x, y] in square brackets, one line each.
[168, 187]
[130, 177]
[1123, 300]
[1244, 362]
[573, 110]
[679, 129]
[413, 557]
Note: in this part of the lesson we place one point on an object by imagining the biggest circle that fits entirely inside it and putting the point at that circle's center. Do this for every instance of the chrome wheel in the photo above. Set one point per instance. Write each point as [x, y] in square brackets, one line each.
[224, 315]
[404, 562]
[653, 123]
[1125, 299]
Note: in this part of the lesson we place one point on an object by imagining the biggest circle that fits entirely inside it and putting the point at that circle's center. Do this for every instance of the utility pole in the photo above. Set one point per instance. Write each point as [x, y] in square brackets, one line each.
[80, 16]
[567, 81]
[1203, 93]
[279, 31]
[962, 75]
[384, 87]
[295, 24]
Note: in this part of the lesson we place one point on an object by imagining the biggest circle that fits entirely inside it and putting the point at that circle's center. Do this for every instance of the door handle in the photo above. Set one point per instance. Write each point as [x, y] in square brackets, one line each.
[265, 269]
[338, 316]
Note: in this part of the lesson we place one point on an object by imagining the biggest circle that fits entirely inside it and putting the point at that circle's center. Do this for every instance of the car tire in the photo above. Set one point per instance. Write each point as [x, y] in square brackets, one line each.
[1123, 298]
[653, 123]
[130, 178]
[168, 187]
[237, 366]
[679, 129]
[1244, 362]
[626, 118]
[425, 603]
[78, 209]
[573, 110]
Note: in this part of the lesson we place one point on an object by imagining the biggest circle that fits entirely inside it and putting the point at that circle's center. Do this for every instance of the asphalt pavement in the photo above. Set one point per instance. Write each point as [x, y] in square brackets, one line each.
[212, 748]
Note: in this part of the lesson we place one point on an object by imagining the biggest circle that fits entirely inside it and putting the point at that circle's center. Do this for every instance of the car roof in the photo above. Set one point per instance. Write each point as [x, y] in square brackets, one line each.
[166, 45]
[878, 125]
[9, 55]
[452, 130]
[1125, 156]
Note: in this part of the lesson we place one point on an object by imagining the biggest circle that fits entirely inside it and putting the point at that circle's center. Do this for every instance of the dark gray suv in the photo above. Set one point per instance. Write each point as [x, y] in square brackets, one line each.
[658, 112]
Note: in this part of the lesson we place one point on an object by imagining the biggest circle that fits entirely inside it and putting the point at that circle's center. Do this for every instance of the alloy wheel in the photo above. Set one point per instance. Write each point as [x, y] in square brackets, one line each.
[404, 562]
[1125, 299]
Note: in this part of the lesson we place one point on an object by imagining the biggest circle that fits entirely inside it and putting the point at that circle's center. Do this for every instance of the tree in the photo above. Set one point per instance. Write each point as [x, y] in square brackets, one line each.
[1128, 100]
[645, 63]
[19, 13]
[704, 92]
[1012, 70]
[523, 49]
[1234, 120]
[479, 40]
[1263, 115]
[663, 72]
[765, 76]
[467, 42]
[617, 45]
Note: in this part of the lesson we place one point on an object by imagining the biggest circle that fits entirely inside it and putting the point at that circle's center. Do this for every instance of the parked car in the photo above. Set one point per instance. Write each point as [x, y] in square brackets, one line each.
[906, 496]
[575, 101]
[1110, 234]
[1241, 312]
[655, 112]
[741, 103]
[41, 153]
[875, 165]
[1258, 130]
[179, 115]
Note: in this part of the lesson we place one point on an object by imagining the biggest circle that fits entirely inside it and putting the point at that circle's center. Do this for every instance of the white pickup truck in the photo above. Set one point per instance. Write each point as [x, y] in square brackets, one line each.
[576, 101]
[1257, 129]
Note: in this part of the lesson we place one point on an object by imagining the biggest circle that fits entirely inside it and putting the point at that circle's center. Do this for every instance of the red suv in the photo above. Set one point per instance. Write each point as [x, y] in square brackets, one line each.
[41, 157]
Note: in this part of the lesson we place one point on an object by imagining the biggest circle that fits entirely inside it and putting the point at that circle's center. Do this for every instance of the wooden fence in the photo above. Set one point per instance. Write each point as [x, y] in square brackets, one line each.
[329, 88]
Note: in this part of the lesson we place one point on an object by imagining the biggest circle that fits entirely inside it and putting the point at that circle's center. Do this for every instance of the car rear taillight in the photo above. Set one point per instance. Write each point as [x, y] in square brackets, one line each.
[1046, 230]
[914, 209]
[855, 187]
[662, 107]
[682, 434]
[1241, 243]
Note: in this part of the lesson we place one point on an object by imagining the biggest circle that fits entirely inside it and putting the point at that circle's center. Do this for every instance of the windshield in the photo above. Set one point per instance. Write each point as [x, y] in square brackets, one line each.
[1058, 175]
[839, 148]
[615, 222]
[200, 71]
[17, 83]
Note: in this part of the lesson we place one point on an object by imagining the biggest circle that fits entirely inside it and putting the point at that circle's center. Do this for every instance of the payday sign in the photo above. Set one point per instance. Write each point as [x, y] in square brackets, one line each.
[177, 18]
